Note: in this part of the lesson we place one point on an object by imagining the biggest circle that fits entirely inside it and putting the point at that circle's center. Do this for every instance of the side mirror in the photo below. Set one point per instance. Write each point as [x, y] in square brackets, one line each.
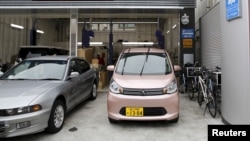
[110, 67]
[74, 74]
[18, 60]
[177, 68]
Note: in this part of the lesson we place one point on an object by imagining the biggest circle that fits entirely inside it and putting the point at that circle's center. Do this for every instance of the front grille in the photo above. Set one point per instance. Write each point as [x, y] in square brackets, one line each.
[2, 113]
[2, 127]
[148, 111]
[143, 92]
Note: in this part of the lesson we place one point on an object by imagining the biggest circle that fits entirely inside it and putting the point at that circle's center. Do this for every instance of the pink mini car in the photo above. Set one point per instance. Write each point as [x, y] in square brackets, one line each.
[143, 87]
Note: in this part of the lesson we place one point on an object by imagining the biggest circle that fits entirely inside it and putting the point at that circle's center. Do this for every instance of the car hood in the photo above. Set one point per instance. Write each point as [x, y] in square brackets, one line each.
[16, 93]
[143, 81]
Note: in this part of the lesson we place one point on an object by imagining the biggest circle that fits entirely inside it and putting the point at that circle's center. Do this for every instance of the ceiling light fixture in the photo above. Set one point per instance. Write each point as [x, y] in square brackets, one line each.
[40, 31]
[17, 26]
[92, 43]
[137, 43]
[89, 7]
[124, 22]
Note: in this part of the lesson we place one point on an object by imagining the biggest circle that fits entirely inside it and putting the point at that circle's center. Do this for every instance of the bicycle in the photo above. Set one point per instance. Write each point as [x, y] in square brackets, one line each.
[193, 87]
[217, 87]
[206, 93]
[184, 79]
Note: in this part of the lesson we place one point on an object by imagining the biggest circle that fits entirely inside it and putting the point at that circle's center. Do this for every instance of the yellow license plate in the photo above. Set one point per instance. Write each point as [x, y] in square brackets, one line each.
[134, 111]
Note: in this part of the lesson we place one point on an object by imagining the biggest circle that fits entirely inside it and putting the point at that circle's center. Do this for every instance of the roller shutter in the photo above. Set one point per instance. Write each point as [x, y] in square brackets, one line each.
[211, 38]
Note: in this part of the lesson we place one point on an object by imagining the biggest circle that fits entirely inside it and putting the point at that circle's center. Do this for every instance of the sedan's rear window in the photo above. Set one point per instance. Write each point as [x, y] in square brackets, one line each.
[143, 64]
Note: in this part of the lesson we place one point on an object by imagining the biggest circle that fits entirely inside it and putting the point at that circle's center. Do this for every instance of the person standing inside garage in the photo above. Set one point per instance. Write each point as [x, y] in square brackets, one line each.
[100, 60]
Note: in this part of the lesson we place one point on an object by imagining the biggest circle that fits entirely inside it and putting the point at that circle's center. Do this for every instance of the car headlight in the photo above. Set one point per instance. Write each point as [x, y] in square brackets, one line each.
[170, 88]
[115, 88]
[20, 110]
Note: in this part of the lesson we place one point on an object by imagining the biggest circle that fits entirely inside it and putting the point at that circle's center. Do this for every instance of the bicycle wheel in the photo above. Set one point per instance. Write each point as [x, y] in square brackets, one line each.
[182, 88]
[191, 91]
[200, 97]
[212, 104]
[218, 98]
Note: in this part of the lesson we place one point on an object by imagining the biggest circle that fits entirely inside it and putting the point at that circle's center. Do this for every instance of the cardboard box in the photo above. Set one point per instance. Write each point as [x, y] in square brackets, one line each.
[95, 61]
[103, 79]
[101, 85]
[96, 66]
[86, 53]
[103, 75]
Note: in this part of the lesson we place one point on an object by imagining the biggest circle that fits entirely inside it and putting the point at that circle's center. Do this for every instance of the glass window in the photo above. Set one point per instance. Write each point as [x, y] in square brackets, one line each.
[104, 27]
[84, 65]
[129, 27]
[143, 64]
[37, 69]
[118, 27]
[94, 27]
[73, 66]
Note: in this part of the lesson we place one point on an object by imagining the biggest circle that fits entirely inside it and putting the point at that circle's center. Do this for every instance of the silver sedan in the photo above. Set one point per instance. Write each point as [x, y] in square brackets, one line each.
[36, 94]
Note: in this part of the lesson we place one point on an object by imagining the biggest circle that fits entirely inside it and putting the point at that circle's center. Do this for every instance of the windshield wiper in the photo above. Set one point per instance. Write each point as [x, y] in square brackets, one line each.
[50, 79]
[146, 59]
[17, 79]
[125, 55]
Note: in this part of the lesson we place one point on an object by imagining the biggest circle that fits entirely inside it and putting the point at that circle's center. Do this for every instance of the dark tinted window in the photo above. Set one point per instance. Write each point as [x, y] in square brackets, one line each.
[84, 65]
[73, 67]
[29, 52]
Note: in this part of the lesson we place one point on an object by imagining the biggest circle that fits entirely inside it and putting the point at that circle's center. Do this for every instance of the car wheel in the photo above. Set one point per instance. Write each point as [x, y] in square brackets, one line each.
[93, 93]
[57, 117]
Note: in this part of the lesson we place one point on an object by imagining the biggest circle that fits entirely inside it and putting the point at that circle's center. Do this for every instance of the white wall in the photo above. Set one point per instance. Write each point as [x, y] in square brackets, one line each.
[235, 66]
[203, 6]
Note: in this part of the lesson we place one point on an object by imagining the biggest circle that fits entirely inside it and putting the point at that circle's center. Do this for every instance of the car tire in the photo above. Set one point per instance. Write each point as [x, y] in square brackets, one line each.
[93, 93]
[57, 117]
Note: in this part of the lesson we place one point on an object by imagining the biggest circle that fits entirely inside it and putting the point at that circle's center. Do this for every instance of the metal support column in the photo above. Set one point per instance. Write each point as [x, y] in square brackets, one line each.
[111, 43]
[73, 32]
[110, 54]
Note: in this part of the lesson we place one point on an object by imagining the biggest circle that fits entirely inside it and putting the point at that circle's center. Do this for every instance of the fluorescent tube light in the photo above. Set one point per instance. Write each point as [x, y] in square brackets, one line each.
[174, 26]
[40, 31]
[122, 22]
[137, 43]
[17, 26]
[92, 43]
[95, 43]
[90, 7]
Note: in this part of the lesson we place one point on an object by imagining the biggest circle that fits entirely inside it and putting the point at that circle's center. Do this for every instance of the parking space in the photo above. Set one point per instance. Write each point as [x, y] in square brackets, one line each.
[89, 122]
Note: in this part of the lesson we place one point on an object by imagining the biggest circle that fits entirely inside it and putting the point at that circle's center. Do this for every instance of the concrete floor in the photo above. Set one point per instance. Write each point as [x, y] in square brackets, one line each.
[89, 122]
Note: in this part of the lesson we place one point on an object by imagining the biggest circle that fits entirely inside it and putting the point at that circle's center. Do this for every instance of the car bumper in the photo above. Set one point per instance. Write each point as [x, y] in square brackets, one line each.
[31, 123]
[168, 103]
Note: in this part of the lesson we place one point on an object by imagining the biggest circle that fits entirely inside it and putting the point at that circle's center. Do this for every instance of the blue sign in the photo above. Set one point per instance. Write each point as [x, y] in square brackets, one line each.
[187, 33]
[233, 9]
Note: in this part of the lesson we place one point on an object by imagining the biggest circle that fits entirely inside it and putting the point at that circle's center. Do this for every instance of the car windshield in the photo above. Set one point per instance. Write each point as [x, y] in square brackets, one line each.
[144, 64]
[38, 70]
